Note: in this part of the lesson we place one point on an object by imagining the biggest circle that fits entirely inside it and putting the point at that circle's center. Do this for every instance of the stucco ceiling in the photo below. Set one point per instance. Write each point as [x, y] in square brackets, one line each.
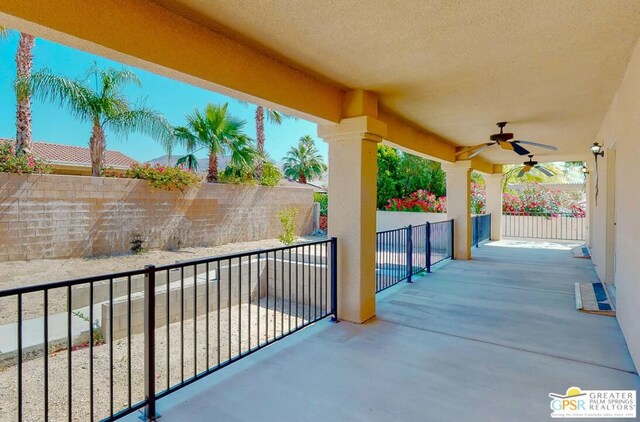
[549, 67]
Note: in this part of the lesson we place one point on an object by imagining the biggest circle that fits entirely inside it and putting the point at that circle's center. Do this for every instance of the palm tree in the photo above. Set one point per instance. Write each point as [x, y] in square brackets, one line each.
[99, 99]
[272, 116]
[304, 162]
[24, 66]
[217, 131]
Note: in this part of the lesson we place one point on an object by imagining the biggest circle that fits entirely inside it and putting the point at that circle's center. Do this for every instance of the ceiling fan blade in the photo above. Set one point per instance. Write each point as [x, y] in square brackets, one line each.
[472, 148]
[536, 144]
[478, 151]
[545, 171]
[524, 170]
[506, 145]
[518, 149]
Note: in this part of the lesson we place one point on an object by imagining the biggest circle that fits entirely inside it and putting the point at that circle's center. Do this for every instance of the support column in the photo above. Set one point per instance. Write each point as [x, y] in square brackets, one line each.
[459, 206]
[353, 151]
[493, 187]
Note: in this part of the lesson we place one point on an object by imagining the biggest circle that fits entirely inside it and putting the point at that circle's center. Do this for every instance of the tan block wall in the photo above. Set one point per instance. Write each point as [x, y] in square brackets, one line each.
[56, 216]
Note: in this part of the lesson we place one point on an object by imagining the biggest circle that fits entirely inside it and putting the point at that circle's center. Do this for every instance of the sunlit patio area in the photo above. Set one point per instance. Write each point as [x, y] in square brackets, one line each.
[473, 314]
[483, 339]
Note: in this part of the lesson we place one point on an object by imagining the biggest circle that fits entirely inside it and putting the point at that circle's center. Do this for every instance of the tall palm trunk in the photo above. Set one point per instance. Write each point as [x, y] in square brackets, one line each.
[260, 140]
[302, 178]
[97, 146]
[24, 64]
[212, 175]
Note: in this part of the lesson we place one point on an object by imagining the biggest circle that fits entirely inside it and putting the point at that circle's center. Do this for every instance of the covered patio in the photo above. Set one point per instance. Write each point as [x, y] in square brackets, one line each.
[488, 335]
[484, 339]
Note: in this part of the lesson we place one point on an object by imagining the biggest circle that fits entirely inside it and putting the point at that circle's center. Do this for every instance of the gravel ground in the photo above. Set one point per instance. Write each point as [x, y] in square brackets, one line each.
[33, 386]
[41, 271]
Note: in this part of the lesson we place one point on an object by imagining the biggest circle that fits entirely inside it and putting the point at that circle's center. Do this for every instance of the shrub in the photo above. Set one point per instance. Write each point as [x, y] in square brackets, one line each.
[478, 198]
[236, 175]
[159, 176]
[323, 200]
[536, 199]
[418, 201]
[270, 175]
[288, 218]
[22, 163]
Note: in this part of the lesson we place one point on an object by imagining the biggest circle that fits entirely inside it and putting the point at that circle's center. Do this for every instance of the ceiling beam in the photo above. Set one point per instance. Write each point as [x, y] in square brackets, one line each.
[409, 137]
[144, 34]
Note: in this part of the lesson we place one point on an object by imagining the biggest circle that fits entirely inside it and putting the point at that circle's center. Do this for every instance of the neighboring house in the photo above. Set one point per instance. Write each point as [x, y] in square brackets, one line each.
[73, 160]
[203, 163]
[295, 184]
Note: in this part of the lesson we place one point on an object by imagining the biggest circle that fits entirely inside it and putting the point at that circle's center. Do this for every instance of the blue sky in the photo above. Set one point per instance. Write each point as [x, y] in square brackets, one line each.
[172, 98]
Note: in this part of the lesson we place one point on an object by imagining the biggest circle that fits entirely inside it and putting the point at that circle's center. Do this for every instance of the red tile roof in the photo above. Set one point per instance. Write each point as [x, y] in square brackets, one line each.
[68, 154]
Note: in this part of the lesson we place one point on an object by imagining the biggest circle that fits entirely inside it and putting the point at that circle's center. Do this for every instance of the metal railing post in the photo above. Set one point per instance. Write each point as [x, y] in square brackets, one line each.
[453, 243]
[409, 255]
[477, 225]
[427, 247]
[149, 343]
[334, 279]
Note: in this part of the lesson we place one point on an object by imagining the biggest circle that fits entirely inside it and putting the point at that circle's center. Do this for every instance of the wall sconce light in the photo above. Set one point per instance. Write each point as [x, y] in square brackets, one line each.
[597, 150]
[584, 170]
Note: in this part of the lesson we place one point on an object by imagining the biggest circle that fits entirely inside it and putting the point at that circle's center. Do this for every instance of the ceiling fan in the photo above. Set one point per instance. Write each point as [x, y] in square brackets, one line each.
[505, 141]
[528, 165]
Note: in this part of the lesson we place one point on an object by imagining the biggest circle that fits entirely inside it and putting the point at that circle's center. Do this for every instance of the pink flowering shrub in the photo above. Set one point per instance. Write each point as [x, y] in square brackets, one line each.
[478, 198]
[159, 176]
[22, 163]
[536, 199]
[418, 201]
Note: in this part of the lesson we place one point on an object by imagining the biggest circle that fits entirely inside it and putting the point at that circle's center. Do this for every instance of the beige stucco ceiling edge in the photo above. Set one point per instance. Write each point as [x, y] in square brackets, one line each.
[146, 35]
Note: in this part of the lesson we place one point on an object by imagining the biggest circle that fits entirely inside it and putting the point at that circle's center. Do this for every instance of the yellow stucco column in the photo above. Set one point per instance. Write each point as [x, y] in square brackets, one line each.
[459, 206]
[493, 187]
[353, 146]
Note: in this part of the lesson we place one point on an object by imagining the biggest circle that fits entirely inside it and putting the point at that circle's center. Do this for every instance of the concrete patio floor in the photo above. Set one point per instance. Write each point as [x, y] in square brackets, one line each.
[480, 340]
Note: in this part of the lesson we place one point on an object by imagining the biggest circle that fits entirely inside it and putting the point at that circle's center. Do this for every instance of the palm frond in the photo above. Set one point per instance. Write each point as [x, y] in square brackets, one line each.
[118, 78]
[185, 137]
[66, 92]
[277, 117]
[189, 160]
[146, 121]
[243, 153]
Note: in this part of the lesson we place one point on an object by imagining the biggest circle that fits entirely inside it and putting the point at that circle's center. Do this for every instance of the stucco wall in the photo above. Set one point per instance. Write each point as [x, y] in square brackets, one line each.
[388, 220]
[619, 203]
[55, 216]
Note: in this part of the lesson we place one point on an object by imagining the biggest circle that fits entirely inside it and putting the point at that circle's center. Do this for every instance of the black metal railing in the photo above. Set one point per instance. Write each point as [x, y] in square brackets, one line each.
[441, 245]
[402, 253]
[118, 342]
[480, 228]
[553, 226]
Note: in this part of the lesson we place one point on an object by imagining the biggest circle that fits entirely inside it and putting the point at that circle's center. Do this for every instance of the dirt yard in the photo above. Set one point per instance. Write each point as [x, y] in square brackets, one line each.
[184, 344]
[41, 271]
